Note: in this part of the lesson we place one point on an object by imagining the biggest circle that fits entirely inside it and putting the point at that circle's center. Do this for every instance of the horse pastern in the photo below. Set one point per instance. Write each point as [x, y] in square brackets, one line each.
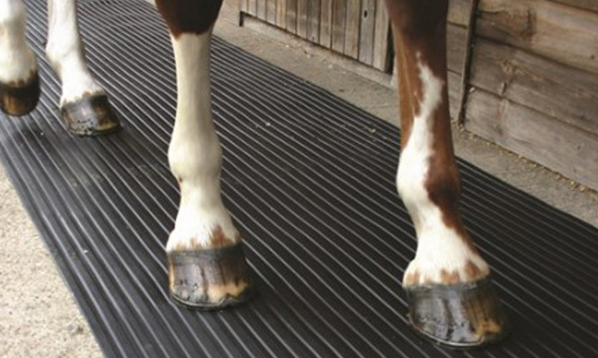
[420, 272]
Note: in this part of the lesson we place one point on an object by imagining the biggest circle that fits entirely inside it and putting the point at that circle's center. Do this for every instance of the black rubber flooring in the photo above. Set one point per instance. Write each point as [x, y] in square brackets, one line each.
[309, 180]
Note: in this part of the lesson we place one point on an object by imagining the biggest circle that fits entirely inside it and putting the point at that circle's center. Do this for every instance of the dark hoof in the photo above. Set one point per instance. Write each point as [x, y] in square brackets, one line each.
[18, 99]
[463, 315]
[89, 116]
[210, 279]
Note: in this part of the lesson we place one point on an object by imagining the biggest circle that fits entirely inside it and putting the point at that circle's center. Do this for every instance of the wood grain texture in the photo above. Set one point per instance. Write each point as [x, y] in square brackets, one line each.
[382, 38]
[252, 7]
[456, 37]
[582, 4]
[458, 12]
[565, 93]
[281, 14]
[261, 9]
[562, 33]
[271, 11]
[313, 20]
[543, 139]
[352, 28]
[302, 13]
[467, 60]
[454, 91]
[291, 16]
[339, 23]
[366, 31]
[326, 9]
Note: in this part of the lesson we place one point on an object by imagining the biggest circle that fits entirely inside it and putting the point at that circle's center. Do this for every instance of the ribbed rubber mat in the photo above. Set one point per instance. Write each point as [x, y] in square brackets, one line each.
[309, 180]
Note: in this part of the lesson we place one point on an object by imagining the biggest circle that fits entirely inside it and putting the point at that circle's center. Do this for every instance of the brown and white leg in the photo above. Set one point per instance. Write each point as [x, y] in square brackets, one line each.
[451, 298]
[83, 104]
[207, 265]
[19, 81]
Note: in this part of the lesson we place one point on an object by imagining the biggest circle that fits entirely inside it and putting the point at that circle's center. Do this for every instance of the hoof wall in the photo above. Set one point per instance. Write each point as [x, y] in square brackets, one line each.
[90, 116]
[18, 99]
[463, 315]
[210, 279]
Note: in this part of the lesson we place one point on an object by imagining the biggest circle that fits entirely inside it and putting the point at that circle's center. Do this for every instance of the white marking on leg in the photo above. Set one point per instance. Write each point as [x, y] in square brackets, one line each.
[65, 52]
[440, 248]
[195, 155]
[17, 60]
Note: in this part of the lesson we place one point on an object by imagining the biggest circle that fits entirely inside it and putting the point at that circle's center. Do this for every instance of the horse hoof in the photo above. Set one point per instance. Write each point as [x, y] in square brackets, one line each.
[89, 116]
[463, 315]
[20, 98]
[210, 279]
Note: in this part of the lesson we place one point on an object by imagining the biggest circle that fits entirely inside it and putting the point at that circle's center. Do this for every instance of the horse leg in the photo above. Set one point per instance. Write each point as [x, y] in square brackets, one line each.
[83, 104]
[451, 299]
[19, 81]
[206, 261]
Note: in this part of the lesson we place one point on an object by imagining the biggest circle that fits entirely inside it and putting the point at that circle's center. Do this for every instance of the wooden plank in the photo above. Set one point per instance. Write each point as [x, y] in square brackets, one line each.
[582, 4]
[382, 38]
[458, 12]
[326, 23]
[302, 18]
[339, 22]
[313, 21]
[556, 90]
[281, 14]
[550, 142]
[563, 33]
[271, 11]
[292, 16]
[352, 28]
[454, 91]
[366, 31]
[252, 7]
[466, 62]
[261, 9]
[456, 38]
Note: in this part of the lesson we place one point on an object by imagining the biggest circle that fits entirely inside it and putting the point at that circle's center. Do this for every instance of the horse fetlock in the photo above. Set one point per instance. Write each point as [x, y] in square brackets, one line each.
[19, 82]
[20, 98]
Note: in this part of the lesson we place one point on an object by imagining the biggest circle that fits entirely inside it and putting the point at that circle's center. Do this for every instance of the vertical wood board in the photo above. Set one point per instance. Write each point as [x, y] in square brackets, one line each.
[339, 22]
[281, 14]
[252, 7]
[367, 30]
[326, 23]
[352, 28]
[271, 11]
[292, 16]
[313, 21]
[261, 9]
[302, 13]
[382, 38]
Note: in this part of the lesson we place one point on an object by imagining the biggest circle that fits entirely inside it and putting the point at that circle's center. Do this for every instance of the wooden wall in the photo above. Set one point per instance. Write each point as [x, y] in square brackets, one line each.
[360, 29]
[355, 28]
[530, 83]
[457, 28]
[534, 82]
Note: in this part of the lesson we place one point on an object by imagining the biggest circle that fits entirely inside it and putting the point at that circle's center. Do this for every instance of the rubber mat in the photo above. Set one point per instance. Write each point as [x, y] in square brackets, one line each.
[309, 180]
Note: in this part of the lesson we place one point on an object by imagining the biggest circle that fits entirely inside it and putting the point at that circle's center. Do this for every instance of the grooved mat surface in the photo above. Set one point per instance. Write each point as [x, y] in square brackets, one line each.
[309, 180]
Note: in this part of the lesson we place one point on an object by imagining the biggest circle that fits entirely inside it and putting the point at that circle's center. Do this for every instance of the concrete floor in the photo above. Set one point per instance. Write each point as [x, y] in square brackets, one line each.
[38, 316]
